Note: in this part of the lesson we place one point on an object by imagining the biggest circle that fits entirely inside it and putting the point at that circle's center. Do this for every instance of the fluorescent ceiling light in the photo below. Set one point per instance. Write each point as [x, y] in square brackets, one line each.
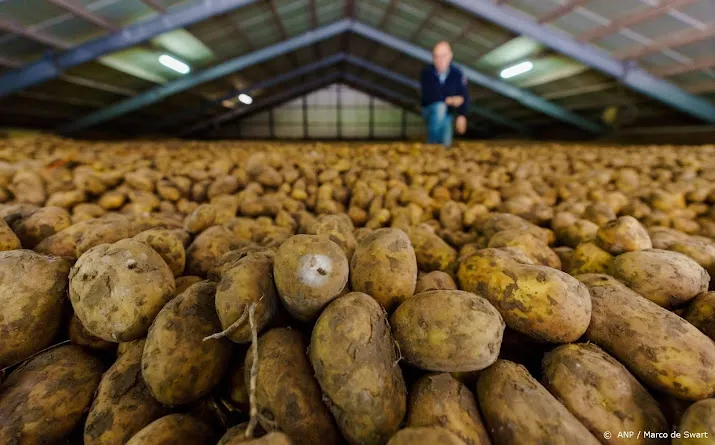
[517, 69]
[173, 63]
[245, 98]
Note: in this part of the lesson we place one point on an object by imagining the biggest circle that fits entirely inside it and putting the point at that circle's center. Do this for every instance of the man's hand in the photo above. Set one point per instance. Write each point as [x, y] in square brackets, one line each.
[461, 124]
[454, 101]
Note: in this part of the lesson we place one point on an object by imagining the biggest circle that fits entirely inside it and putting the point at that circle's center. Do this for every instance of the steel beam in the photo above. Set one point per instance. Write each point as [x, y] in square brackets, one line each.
[633, 19]
[702, 63]
[284, 96]
[160, 92]
[306, 69]
[52, 66]
[524, 97]
[632, 76]
[14, 28]
[156, 5]
[80, 11]
[561, 11]
[672, 40]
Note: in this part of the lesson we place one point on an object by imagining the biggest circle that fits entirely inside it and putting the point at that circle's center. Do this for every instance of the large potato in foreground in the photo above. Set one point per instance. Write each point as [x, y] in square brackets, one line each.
[539, 301]
[338, 229]
[518, 410]
[384, 266]
[659, 347]
[8, 239]
[601, 393]
[117, 289]
[250, 281]
[287, 394]
[274, 438]
[434, 280]
[431, 251]
[624, 234]
[309, 271]
[44, 400]
[123, 404]
[169, 245]
[701, 313]
[666, 278]
[448, 330]
[697, 427]
[207, 248]
[441, 400]
[177, 364]
[425, 436]
[355, 362]
[32, 297]
[175, 429]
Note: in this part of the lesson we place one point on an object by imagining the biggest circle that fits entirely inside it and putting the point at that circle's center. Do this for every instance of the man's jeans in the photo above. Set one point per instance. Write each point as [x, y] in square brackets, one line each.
[439, 124]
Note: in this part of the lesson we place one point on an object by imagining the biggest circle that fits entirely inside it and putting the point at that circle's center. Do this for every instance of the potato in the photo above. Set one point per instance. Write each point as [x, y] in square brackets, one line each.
[235, 434]
[339, 229]
[66, 199]
[43, 223]
[534, 247]
[448, 330]
[8, 239]
[169, 245]
[384, 266]
[431, 252]
[514, 404]
[284, 374]
[309, 271]
[44, 399]
[79, 336]
[126, 347]
[601, 393]
[352, 353]
[435, 280]
[664, 237]
[544, 303]
[589, 258]
[496, 222]
[441, 400]
[576, 232]
[250, 281]
[174, 429]
[660, 348]
[123, 404]
[599, 213]
[183, 283]
[178, 366]
[274, 438]
[703, 252]
[666, 278]
[112, 200]
[207, 248]
[565, 254]
[701, 313]
[425, 436]
[624, 234]
[32, 297]
[117, 289]
[450, 216]
[698, 424]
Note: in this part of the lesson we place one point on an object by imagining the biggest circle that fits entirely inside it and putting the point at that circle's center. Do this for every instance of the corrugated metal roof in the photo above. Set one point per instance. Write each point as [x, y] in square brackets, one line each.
[477, 43]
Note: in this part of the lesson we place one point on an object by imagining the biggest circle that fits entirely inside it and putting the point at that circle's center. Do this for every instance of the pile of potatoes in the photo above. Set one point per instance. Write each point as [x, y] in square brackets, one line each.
[177, 292]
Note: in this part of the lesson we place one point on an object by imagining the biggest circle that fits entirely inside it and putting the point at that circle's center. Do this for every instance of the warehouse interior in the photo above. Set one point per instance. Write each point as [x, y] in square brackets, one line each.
[312, 222]
[595, 68]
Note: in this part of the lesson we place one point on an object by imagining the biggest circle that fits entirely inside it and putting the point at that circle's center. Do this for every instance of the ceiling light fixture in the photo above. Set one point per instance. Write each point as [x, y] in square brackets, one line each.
[173, 63]
[245, 99]
[517, 69]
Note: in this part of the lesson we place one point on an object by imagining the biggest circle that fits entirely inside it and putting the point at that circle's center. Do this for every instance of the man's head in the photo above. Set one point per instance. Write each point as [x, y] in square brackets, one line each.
[442, 56]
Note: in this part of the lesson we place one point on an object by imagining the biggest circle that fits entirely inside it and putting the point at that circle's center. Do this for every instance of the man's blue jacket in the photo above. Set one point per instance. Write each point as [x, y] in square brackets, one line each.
[454, 85]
